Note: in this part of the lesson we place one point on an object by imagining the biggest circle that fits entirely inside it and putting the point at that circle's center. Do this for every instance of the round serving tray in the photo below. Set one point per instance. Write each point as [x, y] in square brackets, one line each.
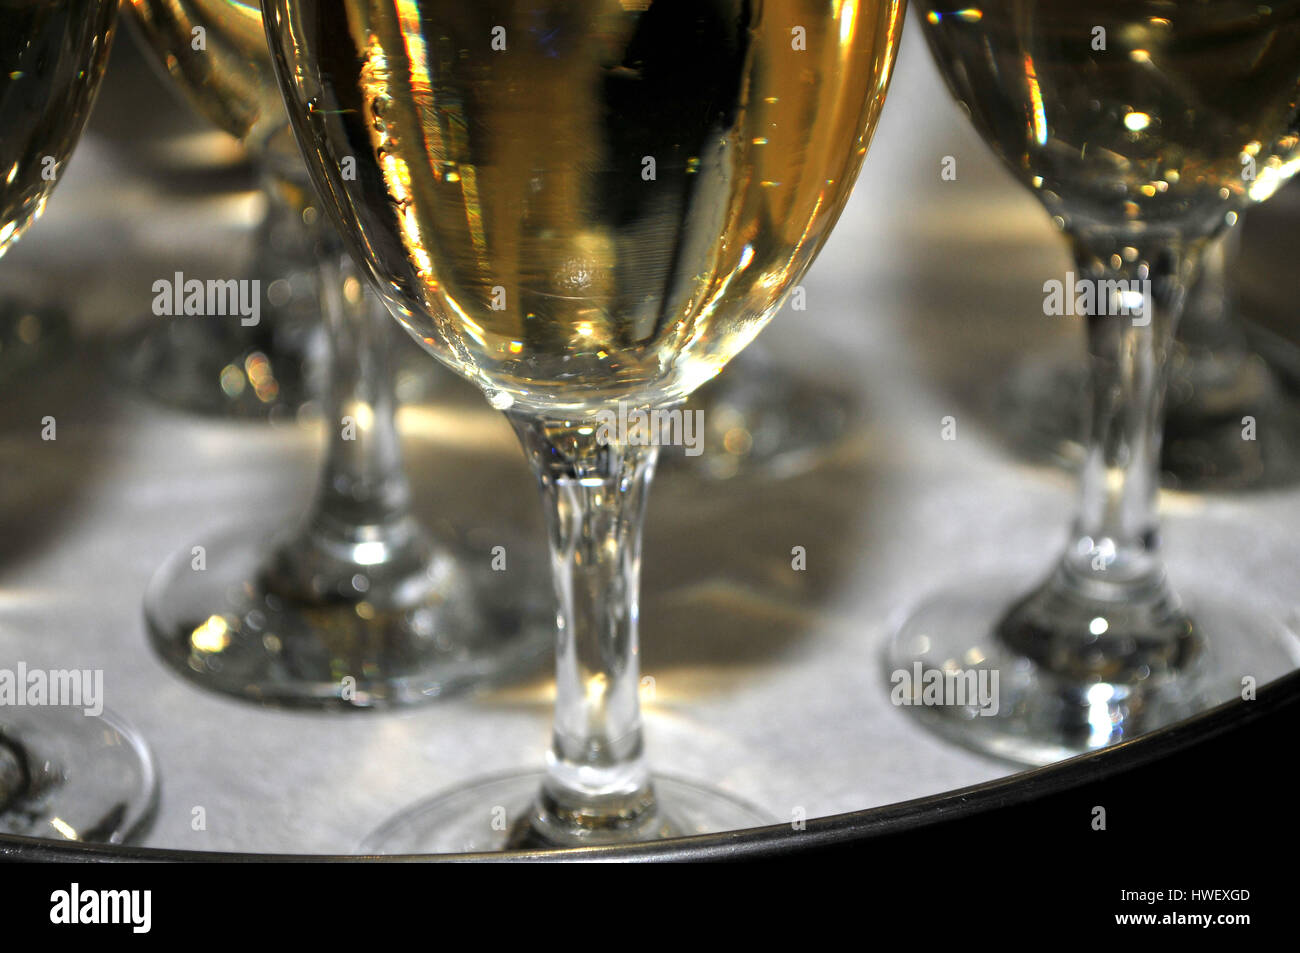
[763, 680]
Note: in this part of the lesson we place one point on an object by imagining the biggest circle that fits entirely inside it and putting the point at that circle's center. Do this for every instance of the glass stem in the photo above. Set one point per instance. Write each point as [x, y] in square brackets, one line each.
[1107, 613]
[363, 483]
[597, 785]
[359, 541]
[1115, 537]
[283, 256]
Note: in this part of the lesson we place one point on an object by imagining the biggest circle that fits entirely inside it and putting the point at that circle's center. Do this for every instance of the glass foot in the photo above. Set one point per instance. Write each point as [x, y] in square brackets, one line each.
[988, 697]
[497, 814]
[450, 623]
[71, 776]
[760, 418]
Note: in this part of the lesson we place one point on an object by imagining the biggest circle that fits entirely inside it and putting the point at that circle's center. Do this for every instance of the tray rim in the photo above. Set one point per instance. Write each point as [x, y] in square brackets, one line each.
[776, 840]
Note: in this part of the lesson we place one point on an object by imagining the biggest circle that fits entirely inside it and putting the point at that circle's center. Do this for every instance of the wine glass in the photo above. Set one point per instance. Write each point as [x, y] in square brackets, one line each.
[586, 209]
[358, 606]
[1144, 128]
[68, 772]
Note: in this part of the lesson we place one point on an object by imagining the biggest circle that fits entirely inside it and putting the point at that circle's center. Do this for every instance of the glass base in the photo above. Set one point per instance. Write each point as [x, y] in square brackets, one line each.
[67, 775]
[497, 814]
[762, 419]
[1032, 716]
[457, 625]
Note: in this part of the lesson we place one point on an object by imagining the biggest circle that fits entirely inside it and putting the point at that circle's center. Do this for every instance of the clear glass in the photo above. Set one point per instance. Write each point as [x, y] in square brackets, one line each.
[356, 607]
[1136, 147]
[597, 787]
[67, 775]
[625, 283]
[64, 773]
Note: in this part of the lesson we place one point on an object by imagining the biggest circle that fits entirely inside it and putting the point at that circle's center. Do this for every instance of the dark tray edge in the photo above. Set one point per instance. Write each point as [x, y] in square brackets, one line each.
[782, 839]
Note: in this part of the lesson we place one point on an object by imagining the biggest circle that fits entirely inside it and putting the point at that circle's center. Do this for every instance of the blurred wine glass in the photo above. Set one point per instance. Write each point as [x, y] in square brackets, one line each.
[764, 419]
[275, 367]
[1220, 374]
[587, 209]
[1145, 129]
[358, 606]
[66, 772]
